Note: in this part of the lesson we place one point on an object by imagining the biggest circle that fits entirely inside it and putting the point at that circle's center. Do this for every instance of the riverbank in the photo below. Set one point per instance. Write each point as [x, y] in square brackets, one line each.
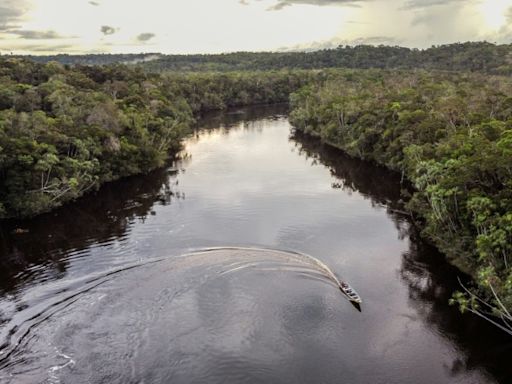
[450, 135]
[67, 131]
[83, 281]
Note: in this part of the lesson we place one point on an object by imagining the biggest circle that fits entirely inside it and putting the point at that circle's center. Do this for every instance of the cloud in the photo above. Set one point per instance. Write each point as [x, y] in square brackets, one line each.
[11, 12]
[409, 4]
[287, 3]
[357, 22]
[41, 48]
[372, 40]
[424, 18]
[49, 48]
[504, 35]
[36, 35]
[108, 30]
[337, 41]
[143, 37]
[416, 4]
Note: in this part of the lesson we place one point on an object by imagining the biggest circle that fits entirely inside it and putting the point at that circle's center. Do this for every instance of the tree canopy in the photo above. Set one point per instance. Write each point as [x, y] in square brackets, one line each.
[65, 131]
[471, 56]
[450, 134]
[442, 117]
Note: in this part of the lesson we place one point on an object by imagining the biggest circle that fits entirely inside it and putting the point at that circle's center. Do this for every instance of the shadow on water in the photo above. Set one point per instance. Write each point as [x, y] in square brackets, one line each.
[233, 117]
[111, 212]
[430, 279]
[102, 216]
[94, 219]
[383, 188]
[431, 282]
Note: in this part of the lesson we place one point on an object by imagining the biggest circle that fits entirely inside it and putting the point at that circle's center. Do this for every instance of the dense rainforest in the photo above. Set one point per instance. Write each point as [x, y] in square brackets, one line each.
[450, 134]
[65, 131]
[472, 56]
[442, 117]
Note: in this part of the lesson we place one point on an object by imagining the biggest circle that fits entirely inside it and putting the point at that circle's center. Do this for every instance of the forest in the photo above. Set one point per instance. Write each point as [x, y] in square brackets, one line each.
[66, 131]
[442, 117]
[479, 56]
[471, 56]
[450, 135]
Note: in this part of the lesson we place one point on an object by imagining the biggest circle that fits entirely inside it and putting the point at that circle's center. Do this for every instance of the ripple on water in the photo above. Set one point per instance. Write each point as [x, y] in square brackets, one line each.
[221, 314]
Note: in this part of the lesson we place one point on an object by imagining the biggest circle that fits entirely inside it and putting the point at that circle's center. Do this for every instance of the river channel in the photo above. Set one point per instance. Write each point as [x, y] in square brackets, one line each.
[196, 274]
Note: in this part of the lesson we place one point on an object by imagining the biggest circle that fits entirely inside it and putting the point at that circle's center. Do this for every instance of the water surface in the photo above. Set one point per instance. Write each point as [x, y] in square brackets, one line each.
[188, 275]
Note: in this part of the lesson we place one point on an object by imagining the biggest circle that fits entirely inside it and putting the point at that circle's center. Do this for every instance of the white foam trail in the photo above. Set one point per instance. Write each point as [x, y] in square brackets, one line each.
[300, 257]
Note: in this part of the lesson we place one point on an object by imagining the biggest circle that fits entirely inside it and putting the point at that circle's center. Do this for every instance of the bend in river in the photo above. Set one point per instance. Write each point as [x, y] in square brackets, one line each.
[119, 287]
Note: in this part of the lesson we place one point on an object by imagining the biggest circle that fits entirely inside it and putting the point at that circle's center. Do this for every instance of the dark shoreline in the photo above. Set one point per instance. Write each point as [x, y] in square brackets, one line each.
[18, 223]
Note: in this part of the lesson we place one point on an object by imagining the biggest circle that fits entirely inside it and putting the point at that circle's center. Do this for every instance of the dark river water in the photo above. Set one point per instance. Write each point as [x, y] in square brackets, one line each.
[196, 274]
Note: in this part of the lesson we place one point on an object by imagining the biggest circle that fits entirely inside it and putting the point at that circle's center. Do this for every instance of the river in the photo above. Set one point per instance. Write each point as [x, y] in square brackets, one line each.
[194, 274]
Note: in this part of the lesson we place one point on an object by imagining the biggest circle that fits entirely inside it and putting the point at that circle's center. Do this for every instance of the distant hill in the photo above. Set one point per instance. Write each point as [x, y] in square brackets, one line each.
[472, 56]
[94, 59]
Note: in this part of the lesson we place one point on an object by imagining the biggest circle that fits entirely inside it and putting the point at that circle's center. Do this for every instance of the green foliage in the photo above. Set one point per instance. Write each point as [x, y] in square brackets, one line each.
[450, 134]
[64, 132]
[471, 57]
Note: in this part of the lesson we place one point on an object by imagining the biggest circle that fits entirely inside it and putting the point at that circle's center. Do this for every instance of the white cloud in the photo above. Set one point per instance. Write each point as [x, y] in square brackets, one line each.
[415, 4]
[12, 12]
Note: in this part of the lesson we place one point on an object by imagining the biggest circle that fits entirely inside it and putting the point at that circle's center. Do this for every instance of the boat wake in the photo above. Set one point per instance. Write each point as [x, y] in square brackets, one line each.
[303, 259]
[24, 337]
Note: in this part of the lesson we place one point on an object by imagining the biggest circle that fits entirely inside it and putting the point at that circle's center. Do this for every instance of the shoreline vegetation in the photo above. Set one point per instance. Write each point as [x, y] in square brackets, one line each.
[450, 135]
[67, 129]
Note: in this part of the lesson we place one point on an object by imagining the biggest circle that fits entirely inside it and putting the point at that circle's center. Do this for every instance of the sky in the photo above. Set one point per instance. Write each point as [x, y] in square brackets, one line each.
[213, 26]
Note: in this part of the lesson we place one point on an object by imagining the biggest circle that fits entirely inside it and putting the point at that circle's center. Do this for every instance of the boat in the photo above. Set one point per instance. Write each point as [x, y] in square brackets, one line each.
[350, 293]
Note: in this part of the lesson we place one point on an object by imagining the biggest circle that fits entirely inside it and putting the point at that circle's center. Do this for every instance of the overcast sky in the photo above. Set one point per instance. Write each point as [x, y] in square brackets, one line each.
[203, 26]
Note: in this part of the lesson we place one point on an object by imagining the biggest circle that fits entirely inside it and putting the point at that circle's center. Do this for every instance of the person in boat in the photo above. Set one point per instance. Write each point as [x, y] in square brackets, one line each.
[348, 290]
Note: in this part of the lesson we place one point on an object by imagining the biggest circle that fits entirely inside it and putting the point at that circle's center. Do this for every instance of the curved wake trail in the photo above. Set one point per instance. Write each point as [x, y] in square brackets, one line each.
[19, 329]
[22, 329]
[303, 259]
